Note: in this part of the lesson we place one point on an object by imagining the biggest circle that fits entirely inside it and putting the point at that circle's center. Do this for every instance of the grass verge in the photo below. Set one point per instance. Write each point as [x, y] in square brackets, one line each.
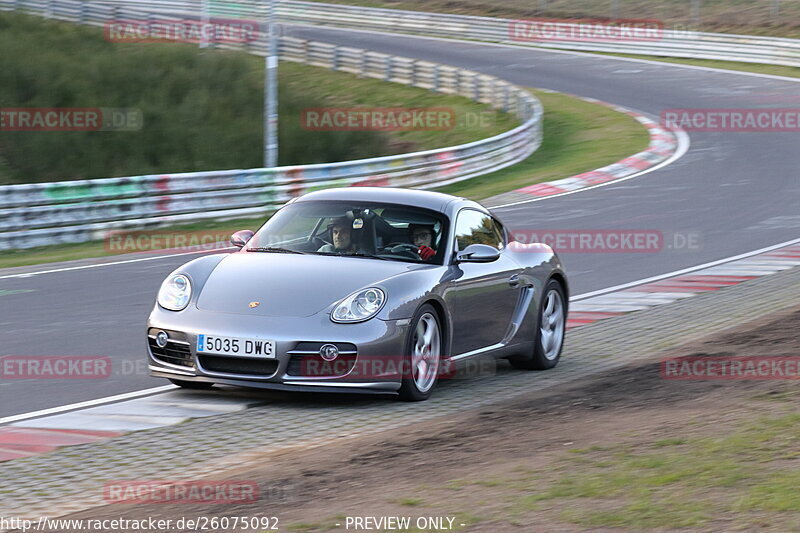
[702, 478]
[673, 483]
[578, 136]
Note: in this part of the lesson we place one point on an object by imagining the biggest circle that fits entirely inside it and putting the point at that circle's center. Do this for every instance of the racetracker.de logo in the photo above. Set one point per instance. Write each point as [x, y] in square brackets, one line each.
[590, 241]
[733, 120]
[70, 119]
[379, 368]
[731, 368]
[585, 30]
[55, 367]
[212, 31]
[184, 492]
[119, 242]
[378, 119]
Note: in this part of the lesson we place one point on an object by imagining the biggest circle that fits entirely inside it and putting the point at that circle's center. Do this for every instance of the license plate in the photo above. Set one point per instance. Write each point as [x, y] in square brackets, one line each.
[235, 346]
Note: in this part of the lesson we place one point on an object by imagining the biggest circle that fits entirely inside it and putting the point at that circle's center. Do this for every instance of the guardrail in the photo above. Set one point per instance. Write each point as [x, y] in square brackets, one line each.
[76, 211]
[674, 43]
[665, 42]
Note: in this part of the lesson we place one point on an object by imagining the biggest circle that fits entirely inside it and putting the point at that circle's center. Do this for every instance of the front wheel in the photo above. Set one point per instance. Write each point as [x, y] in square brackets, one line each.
[550, 329]
[196, 385]
[424, 353]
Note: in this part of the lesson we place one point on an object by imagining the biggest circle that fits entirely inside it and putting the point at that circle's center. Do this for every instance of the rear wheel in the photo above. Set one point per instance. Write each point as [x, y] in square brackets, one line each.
[549, 331]
[196, 385]
[424, 353]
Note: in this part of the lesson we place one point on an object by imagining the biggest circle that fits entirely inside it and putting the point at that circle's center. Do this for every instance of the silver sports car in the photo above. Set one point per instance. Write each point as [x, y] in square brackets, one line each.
[360, 289]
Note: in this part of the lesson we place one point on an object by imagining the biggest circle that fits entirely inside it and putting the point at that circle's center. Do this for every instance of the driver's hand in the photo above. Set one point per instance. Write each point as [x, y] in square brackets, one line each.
[425, 252]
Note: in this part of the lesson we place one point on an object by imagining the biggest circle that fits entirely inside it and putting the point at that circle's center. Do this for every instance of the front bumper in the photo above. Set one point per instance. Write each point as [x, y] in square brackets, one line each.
[297, 341]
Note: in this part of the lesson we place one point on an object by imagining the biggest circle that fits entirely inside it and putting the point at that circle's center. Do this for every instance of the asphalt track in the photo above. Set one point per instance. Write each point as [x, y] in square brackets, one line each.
[734, 192]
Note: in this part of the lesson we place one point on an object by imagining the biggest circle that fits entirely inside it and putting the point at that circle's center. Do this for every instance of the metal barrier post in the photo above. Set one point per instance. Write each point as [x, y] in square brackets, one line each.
[271, 92]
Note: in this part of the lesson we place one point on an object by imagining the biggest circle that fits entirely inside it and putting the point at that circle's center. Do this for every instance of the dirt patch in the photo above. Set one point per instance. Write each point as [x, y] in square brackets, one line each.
[628, 450]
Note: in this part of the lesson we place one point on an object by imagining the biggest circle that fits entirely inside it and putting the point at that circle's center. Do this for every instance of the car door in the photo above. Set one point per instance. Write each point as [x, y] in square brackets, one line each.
[485, 293]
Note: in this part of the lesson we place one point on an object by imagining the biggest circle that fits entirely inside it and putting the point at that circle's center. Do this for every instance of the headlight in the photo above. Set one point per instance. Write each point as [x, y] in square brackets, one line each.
[175, 292]
[359, 306]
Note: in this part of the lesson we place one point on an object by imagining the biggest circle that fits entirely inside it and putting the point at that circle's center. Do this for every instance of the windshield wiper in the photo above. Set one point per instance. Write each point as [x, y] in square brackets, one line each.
[347, 254]
[273, 249]
[370, 256]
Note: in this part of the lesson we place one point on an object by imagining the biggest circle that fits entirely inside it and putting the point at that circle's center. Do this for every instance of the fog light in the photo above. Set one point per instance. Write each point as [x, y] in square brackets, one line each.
[329, 352]
[161, 339]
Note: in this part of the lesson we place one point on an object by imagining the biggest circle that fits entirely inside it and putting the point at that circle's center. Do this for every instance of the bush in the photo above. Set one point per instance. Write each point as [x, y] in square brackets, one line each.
[202, 110]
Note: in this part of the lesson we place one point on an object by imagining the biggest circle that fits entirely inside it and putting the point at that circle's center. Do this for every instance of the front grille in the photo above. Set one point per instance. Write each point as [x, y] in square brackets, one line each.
[305, 361]
[239, 365]
[314, 366]
[176, 352]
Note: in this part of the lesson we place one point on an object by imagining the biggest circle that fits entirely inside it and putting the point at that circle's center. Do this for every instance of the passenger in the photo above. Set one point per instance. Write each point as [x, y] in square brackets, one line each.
[422, 237]
[342, 236]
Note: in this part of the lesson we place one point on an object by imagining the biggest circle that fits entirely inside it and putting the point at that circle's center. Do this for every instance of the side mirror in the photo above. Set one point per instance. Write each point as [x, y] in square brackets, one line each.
[240, 238]
[478, 253]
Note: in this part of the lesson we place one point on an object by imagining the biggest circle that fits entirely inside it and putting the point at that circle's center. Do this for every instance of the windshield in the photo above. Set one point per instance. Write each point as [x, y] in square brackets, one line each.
[378, 231]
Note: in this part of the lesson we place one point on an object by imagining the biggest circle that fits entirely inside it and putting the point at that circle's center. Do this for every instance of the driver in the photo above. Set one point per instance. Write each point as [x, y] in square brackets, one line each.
[342, 236]
[422, 237]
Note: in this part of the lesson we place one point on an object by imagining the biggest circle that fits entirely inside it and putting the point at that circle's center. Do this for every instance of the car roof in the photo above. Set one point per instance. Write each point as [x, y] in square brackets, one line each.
[426, 199]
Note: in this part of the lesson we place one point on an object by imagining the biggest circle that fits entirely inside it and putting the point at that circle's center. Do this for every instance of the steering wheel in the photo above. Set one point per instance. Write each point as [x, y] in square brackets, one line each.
[402, 248]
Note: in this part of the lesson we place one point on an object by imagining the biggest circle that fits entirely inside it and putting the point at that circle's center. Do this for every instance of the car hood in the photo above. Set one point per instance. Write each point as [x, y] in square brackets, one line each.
[289, 285]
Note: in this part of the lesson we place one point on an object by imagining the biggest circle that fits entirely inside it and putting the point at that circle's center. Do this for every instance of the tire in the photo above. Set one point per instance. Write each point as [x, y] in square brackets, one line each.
[550, 327]
[195, 385]
[423, 357]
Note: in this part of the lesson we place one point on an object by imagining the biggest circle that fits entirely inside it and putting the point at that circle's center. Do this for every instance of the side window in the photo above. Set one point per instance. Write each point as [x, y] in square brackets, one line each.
[501, 233]
[474, 227]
